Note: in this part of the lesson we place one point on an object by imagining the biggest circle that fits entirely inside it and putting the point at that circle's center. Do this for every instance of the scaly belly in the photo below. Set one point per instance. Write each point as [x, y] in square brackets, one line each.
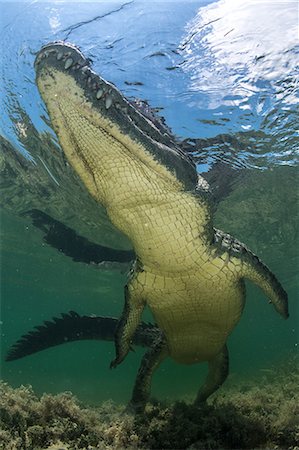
[196, 343]
[196, 314]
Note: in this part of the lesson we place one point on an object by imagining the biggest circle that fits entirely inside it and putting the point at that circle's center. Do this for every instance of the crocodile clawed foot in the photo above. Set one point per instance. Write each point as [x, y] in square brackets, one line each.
[122, 350]
[120, 356]
[115, 362]
[200, 401]
[135, 408]
[200, 405]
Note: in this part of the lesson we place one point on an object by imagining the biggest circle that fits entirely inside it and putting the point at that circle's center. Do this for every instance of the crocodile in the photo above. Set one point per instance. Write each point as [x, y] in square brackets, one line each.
[190, 274]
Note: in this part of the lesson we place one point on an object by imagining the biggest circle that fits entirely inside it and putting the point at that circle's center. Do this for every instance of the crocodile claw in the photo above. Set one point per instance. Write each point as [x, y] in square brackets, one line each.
[114, 363]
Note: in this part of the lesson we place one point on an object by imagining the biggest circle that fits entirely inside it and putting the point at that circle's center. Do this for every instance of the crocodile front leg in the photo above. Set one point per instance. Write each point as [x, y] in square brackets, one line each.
[218, 371]
[150, 362]
[127, 324]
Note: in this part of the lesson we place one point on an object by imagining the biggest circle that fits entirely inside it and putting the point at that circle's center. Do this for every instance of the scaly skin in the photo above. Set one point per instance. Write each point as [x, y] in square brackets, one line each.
[190, 275]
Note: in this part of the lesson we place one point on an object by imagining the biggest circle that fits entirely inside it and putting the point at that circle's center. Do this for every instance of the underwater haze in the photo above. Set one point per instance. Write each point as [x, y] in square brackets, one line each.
[221, 72]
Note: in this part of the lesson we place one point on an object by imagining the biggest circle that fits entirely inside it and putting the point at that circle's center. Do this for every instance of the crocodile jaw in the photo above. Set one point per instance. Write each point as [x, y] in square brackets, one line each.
[78, 100]
[107, 160]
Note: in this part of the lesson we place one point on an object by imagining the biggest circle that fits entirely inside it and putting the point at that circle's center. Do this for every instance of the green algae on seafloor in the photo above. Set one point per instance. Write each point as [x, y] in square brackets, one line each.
[60, 422]
[262, 414]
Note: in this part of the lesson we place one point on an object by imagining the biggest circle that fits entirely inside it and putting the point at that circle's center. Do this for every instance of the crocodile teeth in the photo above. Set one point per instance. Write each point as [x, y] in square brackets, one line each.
[100, 94]
[68, 63]
[84, 69]
[108, 101]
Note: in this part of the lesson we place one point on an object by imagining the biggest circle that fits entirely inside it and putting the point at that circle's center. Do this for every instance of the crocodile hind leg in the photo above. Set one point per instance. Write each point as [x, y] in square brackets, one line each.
[127, 324]
[218, 371]
[150, 362]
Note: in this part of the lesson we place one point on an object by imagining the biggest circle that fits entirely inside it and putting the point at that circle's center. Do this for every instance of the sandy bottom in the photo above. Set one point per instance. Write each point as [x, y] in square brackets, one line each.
[261, 413]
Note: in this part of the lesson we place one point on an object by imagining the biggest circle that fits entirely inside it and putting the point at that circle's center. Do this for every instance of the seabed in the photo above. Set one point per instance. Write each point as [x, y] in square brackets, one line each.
[261, 413]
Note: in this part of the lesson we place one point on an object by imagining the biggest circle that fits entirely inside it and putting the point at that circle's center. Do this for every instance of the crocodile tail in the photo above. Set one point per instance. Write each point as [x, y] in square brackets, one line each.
[74, 327]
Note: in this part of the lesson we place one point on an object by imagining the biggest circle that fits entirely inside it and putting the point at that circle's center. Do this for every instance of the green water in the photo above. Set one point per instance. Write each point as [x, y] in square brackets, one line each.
[38, 282]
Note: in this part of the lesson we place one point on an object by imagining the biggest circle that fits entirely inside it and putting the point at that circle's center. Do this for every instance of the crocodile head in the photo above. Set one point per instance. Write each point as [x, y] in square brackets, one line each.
[108, 140]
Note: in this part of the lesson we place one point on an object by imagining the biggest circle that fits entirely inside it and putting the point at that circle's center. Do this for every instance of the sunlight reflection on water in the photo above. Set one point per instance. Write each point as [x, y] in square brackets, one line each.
[233, 49]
